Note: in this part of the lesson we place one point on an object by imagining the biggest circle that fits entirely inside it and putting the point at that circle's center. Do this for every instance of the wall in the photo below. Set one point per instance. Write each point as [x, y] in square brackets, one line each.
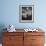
[9, 13]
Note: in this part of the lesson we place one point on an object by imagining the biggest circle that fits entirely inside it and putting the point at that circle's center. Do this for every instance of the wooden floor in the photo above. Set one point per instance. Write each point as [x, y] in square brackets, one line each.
[1, 45]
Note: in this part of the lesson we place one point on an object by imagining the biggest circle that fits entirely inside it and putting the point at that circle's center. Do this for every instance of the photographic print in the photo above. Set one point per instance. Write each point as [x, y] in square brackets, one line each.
[26, 13]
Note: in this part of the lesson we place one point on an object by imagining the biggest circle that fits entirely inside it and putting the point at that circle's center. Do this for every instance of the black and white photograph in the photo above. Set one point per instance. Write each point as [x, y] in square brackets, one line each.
[26, 13]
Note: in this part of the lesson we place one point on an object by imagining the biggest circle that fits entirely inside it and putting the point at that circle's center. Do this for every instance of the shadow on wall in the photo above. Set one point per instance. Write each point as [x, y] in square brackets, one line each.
[2, 26]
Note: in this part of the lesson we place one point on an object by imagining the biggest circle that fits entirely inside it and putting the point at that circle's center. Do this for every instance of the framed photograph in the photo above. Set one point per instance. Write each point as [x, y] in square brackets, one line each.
[26, 13]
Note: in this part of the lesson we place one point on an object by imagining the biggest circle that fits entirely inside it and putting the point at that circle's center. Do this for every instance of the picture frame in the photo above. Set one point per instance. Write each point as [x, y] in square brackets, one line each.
[26, 13]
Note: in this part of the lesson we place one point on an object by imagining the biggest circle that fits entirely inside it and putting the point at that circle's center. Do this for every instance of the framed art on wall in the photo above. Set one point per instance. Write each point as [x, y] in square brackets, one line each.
[26, 13]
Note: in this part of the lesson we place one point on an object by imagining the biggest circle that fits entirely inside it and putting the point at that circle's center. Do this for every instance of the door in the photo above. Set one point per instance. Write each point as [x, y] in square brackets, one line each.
[27, 39]
[37, 40]
[13, 40]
